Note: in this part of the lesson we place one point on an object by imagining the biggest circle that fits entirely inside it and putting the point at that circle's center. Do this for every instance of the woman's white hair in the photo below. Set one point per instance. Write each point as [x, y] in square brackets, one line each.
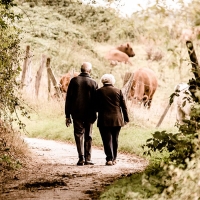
[108, 79]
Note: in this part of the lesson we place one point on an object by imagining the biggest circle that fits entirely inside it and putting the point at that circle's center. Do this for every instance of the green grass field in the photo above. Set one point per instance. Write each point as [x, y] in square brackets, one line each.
[49, 122]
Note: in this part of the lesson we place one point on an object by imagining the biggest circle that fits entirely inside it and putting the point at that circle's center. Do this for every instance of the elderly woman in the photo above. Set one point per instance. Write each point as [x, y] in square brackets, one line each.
[112, 115]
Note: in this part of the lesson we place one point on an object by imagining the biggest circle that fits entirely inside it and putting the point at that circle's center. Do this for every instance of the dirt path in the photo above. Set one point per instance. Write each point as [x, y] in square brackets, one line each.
[52, 173]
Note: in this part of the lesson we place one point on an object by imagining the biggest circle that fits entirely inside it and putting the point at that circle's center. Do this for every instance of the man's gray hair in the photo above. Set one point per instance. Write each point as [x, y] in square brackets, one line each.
[86, 67]
[108, 79]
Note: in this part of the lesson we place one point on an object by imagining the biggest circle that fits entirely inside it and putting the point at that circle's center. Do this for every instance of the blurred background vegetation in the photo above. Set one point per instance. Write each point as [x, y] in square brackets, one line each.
[70, 32]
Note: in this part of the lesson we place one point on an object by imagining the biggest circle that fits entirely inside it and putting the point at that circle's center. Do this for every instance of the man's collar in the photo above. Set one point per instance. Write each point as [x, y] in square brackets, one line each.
[84, 74]
[108, 85]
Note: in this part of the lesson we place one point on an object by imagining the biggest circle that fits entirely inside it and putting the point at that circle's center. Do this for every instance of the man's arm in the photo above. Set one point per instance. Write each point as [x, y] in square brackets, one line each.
[67, 106]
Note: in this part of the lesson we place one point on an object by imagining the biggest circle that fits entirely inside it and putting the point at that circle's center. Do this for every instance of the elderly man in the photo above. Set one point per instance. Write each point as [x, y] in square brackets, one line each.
[79, 106]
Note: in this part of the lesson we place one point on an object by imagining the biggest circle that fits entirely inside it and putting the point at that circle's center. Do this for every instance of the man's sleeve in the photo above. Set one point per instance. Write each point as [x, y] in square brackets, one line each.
[68, 101]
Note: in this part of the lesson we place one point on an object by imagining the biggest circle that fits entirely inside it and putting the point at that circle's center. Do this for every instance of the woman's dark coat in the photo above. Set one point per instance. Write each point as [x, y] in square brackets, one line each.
[111, 106]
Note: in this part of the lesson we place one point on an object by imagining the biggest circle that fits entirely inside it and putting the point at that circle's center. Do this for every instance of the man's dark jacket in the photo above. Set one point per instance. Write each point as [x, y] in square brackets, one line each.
[80, 98]
[111, 106]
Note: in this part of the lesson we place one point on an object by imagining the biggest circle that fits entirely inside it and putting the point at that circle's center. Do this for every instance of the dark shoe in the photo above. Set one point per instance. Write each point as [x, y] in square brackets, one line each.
[109, 163]
[80, 162]
[89, 163]
[114, 162]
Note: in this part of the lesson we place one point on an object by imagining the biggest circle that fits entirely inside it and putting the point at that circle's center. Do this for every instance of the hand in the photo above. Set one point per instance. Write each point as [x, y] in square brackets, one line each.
[125, 123]
[68, 122]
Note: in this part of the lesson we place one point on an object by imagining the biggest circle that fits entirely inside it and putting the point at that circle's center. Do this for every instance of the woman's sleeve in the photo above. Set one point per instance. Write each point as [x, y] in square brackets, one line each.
[124, 107]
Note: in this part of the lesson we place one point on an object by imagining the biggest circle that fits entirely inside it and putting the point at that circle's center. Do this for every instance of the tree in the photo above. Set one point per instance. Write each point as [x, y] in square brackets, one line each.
[10, 100]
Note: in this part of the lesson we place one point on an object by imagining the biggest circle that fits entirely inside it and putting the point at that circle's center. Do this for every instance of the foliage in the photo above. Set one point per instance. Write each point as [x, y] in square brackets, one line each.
[181, 146]
[123, 188]
[184, 184]
[10, 100]
[141, 185]
[101, 24]
[8, 151]
[70, 31]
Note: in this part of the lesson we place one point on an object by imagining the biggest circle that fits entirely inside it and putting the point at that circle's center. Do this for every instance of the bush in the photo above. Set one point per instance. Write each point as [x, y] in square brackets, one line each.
[10, 100]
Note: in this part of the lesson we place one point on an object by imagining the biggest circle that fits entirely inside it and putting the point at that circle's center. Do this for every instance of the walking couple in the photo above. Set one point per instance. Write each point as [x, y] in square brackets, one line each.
[83, 101]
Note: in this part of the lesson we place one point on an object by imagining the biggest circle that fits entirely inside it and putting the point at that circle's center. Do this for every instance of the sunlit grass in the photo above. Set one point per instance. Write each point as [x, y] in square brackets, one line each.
[47, 120]
[129, 188]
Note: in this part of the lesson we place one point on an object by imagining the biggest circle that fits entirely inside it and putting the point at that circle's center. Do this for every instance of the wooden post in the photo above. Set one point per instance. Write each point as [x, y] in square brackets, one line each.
[49, 86]
[193, 58]
[163, 115]
[166, 109]
[25, 66]
[126, 88]
[39, 75]
[52, 78]
[126, 77]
